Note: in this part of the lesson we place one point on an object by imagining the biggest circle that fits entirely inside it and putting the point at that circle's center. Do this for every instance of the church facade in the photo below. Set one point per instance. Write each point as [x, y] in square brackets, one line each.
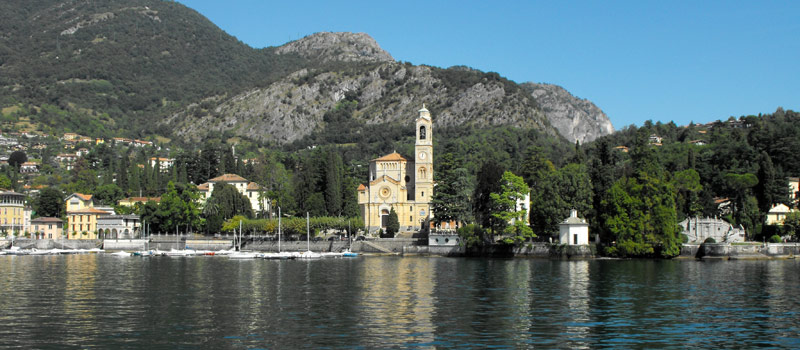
[399, 183]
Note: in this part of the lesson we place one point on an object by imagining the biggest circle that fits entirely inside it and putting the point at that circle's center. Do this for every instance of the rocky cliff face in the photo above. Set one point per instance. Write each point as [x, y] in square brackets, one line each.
[344, 47]
[387, 92]
[576, 119]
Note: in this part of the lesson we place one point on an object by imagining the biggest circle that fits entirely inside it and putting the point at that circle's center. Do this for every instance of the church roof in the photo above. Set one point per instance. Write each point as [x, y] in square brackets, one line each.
[394, 156]
[361, 187]
[383, 178]
[228, 178]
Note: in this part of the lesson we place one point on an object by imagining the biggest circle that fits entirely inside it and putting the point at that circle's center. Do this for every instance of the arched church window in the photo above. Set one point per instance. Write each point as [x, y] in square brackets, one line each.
[422, 132]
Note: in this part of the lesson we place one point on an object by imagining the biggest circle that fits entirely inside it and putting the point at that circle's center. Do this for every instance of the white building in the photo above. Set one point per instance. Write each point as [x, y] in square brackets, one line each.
[118, 226]
[251, 190]
[573, 230]
[700, 229]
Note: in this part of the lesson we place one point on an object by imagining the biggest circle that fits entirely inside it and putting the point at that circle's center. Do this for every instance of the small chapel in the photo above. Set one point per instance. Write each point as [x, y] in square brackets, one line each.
[399, 183]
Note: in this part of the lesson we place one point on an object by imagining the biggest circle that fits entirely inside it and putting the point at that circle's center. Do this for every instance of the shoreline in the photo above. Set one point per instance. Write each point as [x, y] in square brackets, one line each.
[411, 247]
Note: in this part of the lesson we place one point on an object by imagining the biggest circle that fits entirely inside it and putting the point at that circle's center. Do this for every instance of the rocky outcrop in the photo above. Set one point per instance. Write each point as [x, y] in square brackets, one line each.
[293, 107]
[344, 47]
[576, 119]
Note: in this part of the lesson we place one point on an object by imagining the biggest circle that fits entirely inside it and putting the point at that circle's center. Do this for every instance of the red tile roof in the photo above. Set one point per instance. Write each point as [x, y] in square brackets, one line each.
[228, 178]
[90, 211]
[391, 157]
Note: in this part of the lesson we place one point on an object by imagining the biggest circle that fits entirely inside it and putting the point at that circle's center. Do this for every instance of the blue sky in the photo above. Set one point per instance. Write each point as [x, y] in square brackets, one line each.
[666, 61]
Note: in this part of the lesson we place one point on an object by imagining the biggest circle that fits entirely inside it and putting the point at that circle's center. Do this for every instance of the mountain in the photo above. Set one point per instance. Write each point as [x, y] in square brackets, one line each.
[146, 68]
[576, 119]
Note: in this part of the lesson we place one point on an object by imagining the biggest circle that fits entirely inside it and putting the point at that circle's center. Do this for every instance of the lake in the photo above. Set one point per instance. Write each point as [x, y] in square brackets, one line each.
[101, 301]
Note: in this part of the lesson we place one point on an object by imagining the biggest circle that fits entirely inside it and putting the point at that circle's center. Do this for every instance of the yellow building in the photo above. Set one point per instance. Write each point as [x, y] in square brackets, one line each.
[12, 212]
[82, 224]
[79, 201]
[82, 216]
[395, 182]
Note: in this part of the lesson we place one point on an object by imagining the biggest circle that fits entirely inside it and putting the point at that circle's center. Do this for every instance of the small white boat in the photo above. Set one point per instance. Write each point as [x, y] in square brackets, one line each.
[308, 255]
[224, 252]
[244, 255]
[279, 256]
[180, 252]
[144, 253]
[35, 251]
[331, 255]
[121, 254]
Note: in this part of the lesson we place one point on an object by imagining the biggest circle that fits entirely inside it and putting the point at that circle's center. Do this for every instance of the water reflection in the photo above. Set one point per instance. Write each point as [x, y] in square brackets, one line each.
[397, 300]
[378, 302]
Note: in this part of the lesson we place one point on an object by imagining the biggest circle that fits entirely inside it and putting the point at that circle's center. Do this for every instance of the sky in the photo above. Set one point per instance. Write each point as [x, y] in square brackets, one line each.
[681, 61]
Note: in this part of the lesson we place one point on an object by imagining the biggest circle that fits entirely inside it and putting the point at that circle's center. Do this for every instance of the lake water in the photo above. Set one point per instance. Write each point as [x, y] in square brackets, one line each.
[101, 301]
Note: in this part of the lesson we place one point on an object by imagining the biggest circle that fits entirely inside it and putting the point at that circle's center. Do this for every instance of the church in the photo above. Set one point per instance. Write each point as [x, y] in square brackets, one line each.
[402, 184]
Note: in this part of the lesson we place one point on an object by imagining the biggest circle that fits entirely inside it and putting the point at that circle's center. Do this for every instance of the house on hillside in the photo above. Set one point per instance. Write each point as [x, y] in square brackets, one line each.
[163, 163]
[132, 201]
[777, 214]
[29, 168]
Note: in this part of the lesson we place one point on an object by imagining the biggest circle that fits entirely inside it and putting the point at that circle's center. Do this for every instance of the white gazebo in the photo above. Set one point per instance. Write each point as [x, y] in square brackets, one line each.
[573, 230]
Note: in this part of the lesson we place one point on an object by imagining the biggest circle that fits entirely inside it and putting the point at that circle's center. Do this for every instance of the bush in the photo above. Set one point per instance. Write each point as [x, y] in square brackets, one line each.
[710, 240]
[684, 239]
[775, 239]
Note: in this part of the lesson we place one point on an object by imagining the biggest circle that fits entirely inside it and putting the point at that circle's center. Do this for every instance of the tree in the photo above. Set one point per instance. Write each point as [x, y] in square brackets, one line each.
[489, 181]
[687, 184]
[739, 188]
[50, 203]
[108, 194]
[504, 208]
[451, 201]
[770, 189]
[178, 206]
[640, 218]
[791, 225]
[392, 224]
[5, 182]
[333, 183]
[17, 158]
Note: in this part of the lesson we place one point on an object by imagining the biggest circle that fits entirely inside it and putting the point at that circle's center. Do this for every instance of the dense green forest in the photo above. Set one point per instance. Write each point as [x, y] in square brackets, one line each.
[125, 64]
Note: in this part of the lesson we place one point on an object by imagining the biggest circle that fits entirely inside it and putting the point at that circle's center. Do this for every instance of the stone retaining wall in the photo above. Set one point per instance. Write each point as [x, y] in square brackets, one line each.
[748, 251]
[124, 244]
[58, 243]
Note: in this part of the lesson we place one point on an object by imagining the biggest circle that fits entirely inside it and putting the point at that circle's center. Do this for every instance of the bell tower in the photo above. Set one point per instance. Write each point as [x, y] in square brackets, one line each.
[423, 164]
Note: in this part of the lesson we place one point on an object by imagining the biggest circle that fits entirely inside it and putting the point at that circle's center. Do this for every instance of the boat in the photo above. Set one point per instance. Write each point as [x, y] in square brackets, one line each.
[244, 255]
[35, 251]
[279, 255]
[308, 254]
[347, 253]
[121, 254]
